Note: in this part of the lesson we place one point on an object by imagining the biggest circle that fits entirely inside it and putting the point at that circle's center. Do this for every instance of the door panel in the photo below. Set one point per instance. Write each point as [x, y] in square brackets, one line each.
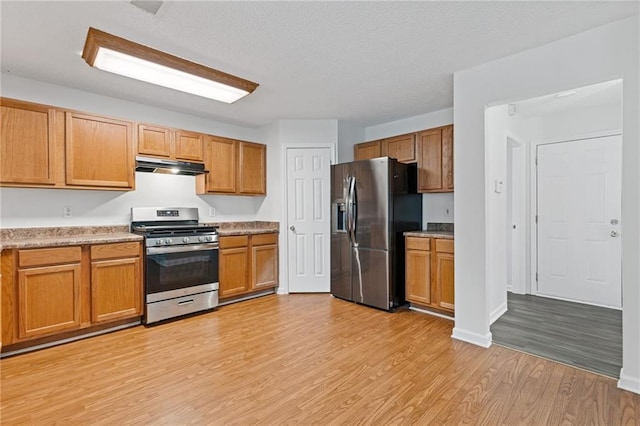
[578, 197]
[371, 279]
[341, 266]
[308, 213]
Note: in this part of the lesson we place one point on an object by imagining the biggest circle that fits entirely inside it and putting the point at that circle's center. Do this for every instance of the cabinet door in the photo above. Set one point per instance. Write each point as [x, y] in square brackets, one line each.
[447, 158]
[252, 166]
[189, 146]
[234, 267]
[99, 151]
[402, 148]
[418, 270]
[27, 143]
[430, 160]
[154, 141]
[116, 289]
[48, 300]
[367, 150]
[445, 280]
[221, 161]
[265, 266]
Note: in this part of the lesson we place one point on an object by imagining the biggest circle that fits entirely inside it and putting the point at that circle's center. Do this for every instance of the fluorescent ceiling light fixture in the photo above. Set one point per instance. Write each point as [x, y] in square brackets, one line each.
[565, 94]
[120, 56]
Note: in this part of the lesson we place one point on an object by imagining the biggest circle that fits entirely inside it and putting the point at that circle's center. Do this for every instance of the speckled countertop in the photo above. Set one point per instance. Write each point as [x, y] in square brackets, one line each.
[434, 230]
[430, 234]
[20, 238]
[64, 236]
[246, 228]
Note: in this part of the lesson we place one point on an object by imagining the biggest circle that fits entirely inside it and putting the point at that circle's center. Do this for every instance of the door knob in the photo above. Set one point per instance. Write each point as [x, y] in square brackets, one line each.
[293, 228]
[614, 234]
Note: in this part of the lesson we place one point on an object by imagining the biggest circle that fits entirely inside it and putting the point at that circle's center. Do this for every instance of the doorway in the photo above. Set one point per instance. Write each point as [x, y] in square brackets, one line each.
[581, 133]
[308, 173]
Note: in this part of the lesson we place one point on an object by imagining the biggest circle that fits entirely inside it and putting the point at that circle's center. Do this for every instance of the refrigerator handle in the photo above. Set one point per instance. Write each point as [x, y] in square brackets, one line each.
[353, 211]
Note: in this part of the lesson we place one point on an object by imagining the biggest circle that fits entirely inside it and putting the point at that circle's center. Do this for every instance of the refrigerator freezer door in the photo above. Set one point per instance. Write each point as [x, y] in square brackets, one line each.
[373, 203]
[370, 277]
[341, 266]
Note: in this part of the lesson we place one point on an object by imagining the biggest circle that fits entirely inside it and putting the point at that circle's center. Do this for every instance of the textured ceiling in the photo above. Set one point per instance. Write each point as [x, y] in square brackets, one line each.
[364, 62]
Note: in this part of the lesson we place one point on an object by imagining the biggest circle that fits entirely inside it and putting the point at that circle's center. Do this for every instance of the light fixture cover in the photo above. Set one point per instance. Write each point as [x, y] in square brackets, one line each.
[118, 55]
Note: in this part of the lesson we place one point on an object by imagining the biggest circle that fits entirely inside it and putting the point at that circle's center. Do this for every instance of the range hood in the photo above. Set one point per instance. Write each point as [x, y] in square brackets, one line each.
[173, 167]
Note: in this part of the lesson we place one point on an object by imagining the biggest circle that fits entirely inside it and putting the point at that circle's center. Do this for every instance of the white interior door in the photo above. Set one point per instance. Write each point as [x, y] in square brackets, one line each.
[308, 220]
[579, 204]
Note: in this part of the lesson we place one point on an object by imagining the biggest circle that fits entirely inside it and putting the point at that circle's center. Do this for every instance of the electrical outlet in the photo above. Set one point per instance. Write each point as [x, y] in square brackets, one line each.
[212, 211]
[67, 211]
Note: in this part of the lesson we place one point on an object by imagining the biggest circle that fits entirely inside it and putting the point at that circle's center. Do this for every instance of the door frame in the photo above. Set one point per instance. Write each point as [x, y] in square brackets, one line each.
[534, 195]
[518, 254]
[283, 287]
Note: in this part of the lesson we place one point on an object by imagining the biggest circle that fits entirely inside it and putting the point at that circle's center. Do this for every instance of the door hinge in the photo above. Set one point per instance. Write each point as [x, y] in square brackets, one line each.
[536, 218]
[536, 277]
[536, 160]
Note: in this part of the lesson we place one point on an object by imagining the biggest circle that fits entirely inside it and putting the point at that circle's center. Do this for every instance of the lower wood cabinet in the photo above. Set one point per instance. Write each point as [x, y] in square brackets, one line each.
[248, 263]
[430, 272]
[50, 291]
[48, 297]
[116, 281]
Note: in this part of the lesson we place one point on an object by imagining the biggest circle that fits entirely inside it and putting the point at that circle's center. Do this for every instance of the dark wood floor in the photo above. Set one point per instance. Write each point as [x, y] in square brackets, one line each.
[585, 336]
[301, 359]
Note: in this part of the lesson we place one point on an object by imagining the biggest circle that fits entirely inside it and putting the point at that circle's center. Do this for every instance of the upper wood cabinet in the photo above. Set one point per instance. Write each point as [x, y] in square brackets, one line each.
[99, 151]
[170, 143]
[252, 166]
[27, 143]
[367, 150]
[235, 167]
[435, 160]
[402, 148]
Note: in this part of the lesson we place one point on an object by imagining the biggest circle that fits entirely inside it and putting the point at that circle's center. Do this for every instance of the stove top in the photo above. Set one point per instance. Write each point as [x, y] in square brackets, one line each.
[169, 226]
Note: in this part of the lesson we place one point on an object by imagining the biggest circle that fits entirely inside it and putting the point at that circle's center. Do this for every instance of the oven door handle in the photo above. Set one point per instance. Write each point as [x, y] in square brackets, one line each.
[182, 249]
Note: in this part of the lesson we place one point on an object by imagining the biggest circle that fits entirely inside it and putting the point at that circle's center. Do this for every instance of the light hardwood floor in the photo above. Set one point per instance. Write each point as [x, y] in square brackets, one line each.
[301, 359]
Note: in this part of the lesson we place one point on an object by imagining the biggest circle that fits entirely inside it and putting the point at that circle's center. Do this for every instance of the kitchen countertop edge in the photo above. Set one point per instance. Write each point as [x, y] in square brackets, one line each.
[69, 240]
[247, 231]
[430, 234]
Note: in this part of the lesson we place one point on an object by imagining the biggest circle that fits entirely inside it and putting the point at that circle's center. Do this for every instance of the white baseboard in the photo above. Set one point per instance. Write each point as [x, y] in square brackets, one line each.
[631, 384]
[471, 337]
[435, 314]
[497, 312]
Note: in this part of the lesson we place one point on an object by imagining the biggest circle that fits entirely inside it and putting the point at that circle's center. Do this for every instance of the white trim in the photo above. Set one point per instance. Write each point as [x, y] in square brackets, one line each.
[435, 314]
[471, 337]
[520, 262]
[578, 301]
[283, 287]
[631, 384]
[498, 312]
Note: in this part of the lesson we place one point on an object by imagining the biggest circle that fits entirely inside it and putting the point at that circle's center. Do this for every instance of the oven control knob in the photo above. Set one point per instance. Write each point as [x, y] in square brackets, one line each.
[202, 238]
[158, 242]
[169, 241]
[185, 239]
[209, 238]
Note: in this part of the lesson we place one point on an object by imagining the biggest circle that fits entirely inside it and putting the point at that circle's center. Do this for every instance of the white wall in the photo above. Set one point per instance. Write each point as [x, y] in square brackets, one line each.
[597, 55]
[349, 134]
[434, 206]
[496, 123]
[25, 207]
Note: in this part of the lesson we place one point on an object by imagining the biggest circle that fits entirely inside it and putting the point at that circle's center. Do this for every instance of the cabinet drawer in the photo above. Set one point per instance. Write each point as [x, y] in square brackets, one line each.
[444, 246]
[49, 256]
[264, 239]
[418, 243]
[110, 251]
[234, 241]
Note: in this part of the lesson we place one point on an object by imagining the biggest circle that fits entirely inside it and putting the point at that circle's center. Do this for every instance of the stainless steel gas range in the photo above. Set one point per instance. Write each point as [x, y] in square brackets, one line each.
[181, 262]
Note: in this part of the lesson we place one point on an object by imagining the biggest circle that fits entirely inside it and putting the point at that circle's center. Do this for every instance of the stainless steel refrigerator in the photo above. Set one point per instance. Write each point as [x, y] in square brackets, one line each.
[372, 203]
